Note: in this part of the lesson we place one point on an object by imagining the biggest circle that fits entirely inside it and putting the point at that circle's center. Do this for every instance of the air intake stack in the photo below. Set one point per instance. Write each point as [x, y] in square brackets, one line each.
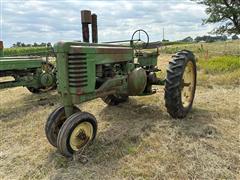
[88, 18]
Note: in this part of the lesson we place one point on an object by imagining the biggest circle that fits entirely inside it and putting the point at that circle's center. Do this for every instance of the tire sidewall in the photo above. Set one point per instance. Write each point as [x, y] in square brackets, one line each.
[53, 121]
[63, 140]
[173, 84]
[189, 57]
[51, 124]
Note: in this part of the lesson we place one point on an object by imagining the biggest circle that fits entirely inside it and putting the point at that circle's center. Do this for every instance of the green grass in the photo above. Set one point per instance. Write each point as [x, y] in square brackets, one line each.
[223, 71]
[221, 64]
[21, 51]
[135, 140]
[204, 50]
[176, 43]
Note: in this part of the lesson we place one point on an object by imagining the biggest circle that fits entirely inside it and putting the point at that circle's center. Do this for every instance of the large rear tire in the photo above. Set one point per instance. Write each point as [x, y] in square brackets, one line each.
[180, 84]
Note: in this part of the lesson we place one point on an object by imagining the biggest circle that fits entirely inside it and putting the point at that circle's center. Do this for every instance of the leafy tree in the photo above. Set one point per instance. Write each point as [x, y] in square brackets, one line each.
[35, 44]
[235, 37]
[18, 44]
[225, 12]
[210, 38]
[43, 44]
[187, 39]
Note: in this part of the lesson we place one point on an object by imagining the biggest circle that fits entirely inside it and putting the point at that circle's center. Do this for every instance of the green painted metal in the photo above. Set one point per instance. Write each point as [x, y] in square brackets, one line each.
[137, 80]
[86, 71]
[76, 65]
[81, 65]
[147, 59]
[19, 63]
[26, 81]
[27, 72]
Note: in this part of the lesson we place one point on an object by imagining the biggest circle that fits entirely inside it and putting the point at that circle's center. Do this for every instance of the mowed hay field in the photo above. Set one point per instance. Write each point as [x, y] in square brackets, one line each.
[135, 140]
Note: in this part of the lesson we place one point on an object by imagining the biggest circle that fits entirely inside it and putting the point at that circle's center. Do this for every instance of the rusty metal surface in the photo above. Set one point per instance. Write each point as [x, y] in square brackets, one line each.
[100, 50]
[137, 81]
[113, 50]
[94, 29]
[86, 16]
[85, 32]
[1, 45]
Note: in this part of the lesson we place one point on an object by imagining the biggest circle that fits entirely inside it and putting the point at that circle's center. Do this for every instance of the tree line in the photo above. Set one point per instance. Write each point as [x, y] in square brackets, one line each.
[208, 38]
[21, 44]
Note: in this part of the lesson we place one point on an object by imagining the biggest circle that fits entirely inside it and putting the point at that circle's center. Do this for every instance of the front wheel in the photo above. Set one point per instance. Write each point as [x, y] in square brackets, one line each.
[54, 123]
[76, 132]
[180, 84]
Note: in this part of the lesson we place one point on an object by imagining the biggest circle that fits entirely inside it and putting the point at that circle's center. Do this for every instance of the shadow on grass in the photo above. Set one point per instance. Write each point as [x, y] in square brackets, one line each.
[123, 132]
[198, 124]
[124, 128]
[27, 104]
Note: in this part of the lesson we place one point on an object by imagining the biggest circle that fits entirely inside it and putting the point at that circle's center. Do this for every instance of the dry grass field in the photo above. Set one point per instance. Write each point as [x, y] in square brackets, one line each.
[135, 140]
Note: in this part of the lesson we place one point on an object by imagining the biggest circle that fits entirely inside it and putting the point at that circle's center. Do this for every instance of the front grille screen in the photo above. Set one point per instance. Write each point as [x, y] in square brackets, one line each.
[77, 70]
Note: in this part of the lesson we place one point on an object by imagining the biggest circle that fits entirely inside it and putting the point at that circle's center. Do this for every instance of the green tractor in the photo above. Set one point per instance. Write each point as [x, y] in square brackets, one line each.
[33, 72]
[113, 72]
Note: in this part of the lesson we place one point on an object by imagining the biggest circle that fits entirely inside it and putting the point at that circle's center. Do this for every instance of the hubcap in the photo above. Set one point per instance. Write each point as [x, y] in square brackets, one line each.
[81, 135]
[188, 81]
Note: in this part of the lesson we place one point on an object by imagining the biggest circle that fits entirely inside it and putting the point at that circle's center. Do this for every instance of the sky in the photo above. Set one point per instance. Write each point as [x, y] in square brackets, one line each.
[32, 21]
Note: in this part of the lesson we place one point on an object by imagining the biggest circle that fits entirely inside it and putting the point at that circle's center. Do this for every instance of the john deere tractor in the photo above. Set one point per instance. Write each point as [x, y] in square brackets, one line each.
[113, 72]
[33, 72]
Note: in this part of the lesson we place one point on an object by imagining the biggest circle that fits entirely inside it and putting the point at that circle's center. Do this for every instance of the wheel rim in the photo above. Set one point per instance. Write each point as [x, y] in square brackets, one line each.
[81, 135]
[188, 82]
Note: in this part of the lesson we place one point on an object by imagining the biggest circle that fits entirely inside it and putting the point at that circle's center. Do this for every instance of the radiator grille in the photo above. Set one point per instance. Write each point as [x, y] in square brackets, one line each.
[77, 70]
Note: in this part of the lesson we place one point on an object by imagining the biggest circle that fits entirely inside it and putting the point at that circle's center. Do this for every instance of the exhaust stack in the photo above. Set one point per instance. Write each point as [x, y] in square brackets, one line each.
[1, 48]
[94, 29]
[88, 18]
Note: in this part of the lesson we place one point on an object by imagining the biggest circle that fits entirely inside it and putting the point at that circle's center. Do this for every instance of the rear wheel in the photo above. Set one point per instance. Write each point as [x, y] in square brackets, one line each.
[114, 100]
[54, 123]
[180, 84]
[76, 132]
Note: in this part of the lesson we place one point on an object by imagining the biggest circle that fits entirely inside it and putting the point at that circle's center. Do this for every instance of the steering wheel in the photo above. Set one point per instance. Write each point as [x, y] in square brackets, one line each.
[138, 43]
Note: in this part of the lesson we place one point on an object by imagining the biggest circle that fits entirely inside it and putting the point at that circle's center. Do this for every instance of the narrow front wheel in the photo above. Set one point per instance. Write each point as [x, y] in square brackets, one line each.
[76, 132]
[54, 123]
